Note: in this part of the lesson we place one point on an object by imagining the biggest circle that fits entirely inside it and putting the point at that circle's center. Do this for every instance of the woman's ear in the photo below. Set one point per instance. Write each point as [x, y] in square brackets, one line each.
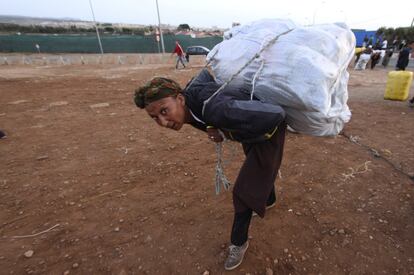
[181, 99]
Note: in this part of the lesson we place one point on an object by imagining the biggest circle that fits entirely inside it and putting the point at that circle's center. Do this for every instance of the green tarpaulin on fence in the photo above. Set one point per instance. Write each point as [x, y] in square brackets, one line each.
[57, 43]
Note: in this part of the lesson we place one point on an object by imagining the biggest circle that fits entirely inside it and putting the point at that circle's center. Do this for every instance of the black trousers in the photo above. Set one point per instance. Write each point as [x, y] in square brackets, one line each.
[254, 188]
[241, 223]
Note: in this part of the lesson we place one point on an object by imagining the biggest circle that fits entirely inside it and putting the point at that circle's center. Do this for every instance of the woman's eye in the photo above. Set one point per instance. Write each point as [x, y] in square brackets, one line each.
[163, 111]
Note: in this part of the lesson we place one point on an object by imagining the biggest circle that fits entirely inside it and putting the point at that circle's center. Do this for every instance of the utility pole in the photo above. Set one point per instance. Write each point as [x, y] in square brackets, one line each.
[96, 27]
[159, 27]
[412, 23]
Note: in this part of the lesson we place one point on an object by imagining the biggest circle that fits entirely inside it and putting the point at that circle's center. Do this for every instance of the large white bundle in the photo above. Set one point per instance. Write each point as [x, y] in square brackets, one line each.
[305, 70]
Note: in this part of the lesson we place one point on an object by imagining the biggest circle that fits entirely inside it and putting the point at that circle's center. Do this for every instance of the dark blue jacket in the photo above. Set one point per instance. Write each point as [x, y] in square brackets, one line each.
[231, 110]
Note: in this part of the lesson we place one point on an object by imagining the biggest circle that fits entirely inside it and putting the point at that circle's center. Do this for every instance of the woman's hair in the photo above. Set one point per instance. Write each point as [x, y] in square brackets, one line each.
[156, 89]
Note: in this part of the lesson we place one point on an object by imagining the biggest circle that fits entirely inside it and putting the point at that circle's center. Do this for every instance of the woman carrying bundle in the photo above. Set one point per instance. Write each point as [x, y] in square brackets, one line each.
[259, 127]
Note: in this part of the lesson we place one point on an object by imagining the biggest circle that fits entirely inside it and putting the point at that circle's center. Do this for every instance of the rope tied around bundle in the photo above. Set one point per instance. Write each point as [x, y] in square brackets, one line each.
[257, 55]
[221, 179]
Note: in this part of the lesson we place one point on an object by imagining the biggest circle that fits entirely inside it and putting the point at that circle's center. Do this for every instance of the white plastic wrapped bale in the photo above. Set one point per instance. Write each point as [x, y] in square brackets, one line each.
[304, 70]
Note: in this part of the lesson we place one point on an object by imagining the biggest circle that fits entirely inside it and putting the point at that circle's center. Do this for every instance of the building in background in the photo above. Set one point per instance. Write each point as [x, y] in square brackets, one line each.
[362, 35]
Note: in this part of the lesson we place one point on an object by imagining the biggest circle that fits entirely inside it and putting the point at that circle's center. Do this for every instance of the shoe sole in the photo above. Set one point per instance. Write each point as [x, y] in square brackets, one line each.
[267, 208]
[236, 266]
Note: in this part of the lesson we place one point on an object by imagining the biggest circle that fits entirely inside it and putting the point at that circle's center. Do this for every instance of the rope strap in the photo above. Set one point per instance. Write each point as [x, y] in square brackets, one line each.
[221, 178]
[257, 55]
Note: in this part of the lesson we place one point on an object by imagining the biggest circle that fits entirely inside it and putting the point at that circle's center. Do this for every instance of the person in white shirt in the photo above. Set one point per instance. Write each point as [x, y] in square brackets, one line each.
[384, 44]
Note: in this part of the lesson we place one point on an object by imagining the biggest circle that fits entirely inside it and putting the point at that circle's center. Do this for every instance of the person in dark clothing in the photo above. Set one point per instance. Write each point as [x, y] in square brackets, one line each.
[403, 56]
[411, 102]
[375, 57]
[370, 40]
[260, 128]
[395, 44]
[365, 43]
[402, 63]
[388, 54]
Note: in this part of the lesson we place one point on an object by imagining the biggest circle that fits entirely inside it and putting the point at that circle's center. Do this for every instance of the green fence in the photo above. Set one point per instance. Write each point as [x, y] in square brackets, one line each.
[53, 43]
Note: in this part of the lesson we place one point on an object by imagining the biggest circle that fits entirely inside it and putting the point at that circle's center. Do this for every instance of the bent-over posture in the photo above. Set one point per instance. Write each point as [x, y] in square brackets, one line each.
[260, 127]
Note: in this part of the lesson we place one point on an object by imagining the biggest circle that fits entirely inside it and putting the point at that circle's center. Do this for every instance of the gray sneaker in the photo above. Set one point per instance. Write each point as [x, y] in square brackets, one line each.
[236, 254]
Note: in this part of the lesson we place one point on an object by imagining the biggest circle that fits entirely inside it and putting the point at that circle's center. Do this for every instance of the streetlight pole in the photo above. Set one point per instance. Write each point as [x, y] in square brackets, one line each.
[96, 28]
[159, 27]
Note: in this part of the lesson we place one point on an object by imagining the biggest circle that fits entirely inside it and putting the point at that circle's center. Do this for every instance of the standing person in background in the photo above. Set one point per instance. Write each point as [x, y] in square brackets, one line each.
[395, 45]
[404, 55]
[365, 43]
[384, 45]
[387, 57]
[178, 50]
[377, 45]
[408, 48]
[371, 40]
[402, 44]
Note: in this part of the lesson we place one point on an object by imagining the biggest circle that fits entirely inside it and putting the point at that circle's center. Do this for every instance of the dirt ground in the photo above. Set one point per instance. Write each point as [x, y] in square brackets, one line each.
[90, 185]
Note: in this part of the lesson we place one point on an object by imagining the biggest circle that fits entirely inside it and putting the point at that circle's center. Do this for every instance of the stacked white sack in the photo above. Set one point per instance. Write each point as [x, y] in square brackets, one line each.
[305, 70]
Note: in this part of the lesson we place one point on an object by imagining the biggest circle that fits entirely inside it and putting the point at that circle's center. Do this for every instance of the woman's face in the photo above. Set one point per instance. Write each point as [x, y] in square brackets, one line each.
[168, 112]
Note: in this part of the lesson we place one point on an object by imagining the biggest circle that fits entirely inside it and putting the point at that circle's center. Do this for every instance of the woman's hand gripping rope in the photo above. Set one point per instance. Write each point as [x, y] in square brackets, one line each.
[214, 134]
[218, 137]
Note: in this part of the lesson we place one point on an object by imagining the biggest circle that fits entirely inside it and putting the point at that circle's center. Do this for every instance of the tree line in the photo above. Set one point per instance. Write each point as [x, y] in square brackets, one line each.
[399, 34]
[74, 29]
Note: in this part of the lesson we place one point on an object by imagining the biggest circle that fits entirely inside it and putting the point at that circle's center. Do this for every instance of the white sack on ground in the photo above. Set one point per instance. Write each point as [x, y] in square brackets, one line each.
[305, 70]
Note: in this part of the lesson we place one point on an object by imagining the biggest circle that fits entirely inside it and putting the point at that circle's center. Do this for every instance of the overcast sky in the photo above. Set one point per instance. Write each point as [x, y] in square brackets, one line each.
[366, 14]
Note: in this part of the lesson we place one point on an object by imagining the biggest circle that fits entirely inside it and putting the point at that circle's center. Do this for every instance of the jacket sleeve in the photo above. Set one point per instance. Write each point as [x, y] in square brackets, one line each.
[246, 120]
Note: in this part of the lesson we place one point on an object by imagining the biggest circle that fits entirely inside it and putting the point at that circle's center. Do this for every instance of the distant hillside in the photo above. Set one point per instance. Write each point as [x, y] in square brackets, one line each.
[55, 22]
[23, 24]
[14, 24]
[51, 35]
[25, 20]
[68, 22]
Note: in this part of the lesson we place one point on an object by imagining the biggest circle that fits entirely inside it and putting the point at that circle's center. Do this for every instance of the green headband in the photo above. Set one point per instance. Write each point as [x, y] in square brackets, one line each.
[156, 89]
